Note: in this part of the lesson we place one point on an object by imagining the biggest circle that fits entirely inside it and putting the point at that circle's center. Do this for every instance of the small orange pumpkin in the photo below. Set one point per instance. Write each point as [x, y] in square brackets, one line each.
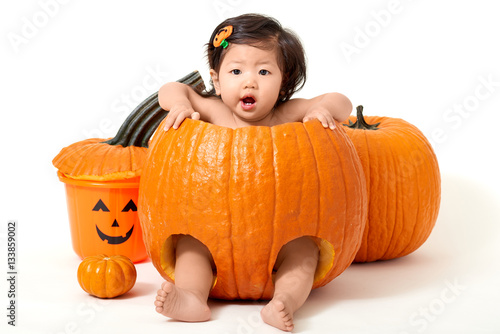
[403, 182]
[245, 193]
[106, 276]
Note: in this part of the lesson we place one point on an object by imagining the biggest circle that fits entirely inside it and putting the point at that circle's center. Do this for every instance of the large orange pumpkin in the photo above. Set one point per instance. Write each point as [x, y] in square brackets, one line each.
[245, 193]
[403, 182]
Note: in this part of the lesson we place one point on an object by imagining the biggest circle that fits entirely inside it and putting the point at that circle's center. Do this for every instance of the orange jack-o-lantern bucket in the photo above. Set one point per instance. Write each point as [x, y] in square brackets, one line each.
[103, 217]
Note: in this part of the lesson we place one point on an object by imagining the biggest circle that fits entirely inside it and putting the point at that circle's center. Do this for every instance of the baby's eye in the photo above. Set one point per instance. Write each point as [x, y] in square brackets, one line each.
[236, 71]
[263, 72]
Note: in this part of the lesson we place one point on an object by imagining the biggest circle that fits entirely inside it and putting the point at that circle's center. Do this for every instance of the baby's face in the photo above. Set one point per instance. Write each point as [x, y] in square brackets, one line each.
[249, 81]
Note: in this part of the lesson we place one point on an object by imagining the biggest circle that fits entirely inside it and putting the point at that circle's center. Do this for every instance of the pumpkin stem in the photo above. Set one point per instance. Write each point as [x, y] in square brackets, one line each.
[360, 121]
[145, 118]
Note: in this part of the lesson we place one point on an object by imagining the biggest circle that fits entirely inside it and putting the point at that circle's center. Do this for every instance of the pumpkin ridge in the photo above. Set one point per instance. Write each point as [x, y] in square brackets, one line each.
[398, 230]
[355, 136]
[425, 210]
[105, 155]
[340, 135]
[368, 178]
[409, 216]
[231, 231]
[230, 214]
[191, 159]
[339, 250]
[318, 182]
[269, 165]
[377, 154]
[89, 154]
[246, 190]
[314, 170]
[418, 212]
[92, 283]
[76, 165]
[347, 200]
[319, 136]
[357, 159]
[419, 232]
[65, 159]
[270, 261]
[135, 157]
[275, 226]
[146, 187]
[390, 214]
[105, 281]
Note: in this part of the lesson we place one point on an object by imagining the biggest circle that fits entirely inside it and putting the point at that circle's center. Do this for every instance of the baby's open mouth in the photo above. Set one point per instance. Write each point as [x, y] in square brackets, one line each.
[248, 103]
[248, 100]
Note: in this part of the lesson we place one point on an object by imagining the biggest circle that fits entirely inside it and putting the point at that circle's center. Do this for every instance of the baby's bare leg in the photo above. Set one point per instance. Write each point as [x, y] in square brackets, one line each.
[296, 265]
[187, 299]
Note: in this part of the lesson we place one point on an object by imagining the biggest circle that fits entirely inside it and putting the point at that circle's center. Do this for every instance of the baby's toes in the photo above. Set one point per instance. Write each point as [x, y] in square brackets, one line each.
[166, 288]
[161, 294]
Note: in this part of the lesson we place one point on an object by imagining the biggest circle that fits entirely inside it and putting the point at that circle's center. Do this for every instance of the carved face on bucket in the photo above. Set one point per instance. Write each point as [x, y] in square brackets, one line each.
[117, 234]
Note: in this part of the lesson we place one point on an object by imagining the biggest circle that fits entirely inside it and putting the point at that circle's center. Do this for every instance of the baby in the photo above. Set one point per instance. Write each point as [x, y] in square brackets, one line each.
[255, 67]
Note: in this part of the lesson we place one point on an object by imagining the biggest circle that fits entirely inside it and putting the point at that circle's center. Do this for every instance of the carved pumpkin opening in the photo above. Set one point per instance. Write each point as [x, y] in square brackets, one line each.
[325, 259]
[168, 257]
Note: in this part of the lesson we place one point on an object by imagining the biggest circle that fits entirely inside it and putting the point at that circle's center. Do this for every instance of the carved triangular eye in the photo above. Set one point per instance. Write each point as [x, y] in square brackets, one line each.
[100, 206]
[130, 206]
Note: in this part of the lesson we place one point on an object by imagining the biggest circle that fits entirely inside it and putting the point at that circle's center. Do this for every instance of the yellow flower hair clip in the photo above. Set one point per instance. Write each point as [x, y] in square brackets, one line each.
[220, 38]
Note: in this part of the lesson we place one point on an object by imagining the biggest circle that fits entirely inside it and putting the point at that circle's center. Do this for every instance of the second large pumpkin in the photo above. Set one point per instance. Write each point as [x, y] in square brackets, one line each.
[245, 193]
[403, 183]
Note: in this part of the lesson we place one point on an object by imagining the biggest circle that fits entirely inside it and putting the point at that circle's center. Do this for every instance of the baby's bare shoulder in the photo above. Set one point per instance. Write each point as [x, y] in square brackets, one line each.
[291, 111]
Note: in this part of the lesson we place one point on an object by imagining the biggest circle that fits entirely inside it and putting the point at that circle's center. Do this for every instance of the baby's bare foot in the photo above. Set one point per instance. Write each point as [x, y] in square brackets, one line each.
[180, 304]
[277, 315]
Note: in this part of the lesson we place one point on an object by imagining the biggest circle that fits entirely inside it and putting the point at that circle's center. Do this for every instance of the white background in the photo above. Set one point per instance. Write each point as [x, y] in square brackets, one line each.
[74, 70]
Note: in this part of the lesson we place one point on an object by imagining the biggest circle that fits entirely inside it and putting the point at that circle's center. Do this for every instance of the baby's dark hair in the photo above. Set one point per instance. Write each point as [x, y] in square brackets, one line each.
[265, 33]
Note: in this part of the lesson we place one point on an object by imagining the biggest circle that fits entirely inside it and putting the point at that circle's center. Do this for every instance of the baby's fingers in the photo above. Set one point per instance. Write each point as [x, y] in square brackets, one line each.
[331, 124]
[178, 120]
[181, 117]
[327, 122]
[195, 116]
[168, 121]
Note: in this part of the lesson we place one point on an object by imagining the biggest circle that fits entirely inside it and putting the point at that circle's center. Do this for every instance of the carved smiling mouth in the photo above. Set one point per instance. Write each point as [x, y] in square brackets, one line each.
[114, 240]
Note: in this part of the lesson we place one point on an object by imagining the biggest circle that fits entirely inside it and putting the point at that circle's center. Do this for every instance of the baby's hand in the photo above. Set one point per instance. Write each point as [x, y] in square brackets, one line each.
[178, 113]
[321, 114]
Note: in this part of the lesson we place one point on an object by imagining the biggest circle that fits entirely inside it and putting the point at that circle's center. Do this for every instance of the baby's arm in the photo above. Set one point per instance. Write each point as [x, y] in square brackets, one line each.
[183, 102]
[326, 108]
